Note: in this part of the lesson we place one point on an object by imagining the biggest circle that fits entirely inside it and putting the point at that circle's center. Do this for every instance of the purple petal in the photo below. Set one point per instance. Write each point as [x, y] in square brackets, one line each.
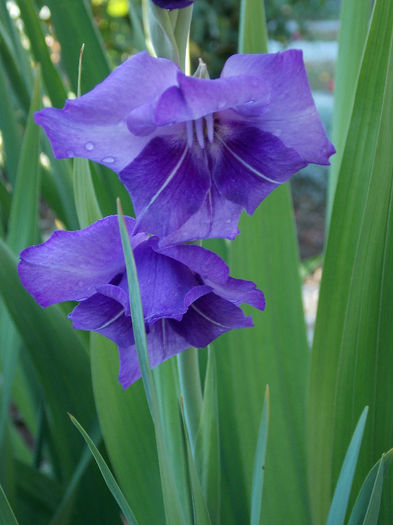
[238, 291]
[105, 316]
[198, 97]
[72, 264]
[163, 342]
[291, 114]
[118, 293]
[164, 284]
[217, 217]
[208, 318]
[195, 98]
[168, 183]
[94, 125]
[201, 261]
[251, 164]
[173, 4]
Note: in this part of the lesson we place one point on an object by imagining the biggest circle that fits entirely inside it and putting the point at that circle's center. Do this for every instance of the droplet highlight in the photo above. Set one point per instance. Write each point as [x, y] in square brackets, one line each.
[89, 146]
[108, 160]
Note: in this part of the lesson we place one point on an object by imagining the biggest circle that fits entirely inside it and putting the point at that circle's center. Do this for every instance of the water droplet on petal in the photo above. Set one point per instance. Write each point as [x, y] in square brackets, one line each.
[108, 160]
[89, 146]
[70, 153]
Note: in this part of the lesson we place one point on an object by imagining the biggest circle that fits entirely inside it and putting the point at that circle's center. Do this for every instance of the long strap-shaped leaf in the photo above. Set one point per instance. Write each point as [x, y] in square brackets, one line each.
[354, 20]
[107, 475]
[7, 517]
[352, 358]
[367, 505]
[259, 463]
[274, 352]
[339, 504]
[173, 508]
[207, 445]
[22, 230]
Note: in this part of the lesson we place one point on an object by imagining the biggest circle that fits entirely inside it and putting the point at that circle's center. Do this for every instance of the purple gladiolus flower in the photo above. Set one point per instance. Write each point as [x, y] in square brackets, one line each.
[187, 294]
[173, 4]
[193, 152]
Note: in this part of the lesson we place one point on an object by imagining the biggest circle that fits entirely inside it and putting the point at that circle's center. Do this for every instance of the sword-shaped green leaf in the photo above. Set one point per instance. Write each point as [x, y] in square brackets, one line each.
[259, 463]
[274, 352]
[367, 504]
[354, 20]
[207, 446]
[352, 358]
[7, 517]
[338, 508]
[107, 475]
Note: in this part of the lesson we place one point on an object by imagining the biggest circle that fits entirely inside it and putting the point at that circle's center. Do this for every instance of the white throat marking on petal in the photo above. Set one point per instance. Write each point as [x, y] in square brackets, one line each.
[200, 132]
[112, 320]
[246, 165]
[163, 333]
[208, 318]
[168, 180]
[210, 127]
[190, 132]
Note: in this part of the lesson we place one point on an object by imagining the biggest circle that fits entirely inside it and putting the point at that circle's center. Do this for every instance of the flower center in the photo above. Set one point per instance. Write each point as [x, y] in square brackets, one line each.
[203, 128]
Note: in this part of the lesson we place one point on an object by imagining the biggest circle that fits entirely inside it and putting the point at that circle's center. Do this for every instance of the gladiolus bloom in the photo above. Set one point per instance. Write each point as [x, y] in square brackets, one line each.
[193, 152]
[187, 294]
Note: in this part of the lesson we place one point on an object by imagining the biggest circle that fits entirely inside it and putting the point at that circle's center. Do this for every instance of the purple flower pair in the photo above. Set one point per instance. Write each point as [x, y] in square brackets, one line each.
[192, 152]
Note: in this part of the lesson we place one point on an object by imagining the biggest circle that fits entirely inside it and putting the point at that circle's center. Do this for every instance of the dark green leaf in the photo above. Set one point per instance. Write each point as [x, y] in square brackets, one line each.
[7, 517]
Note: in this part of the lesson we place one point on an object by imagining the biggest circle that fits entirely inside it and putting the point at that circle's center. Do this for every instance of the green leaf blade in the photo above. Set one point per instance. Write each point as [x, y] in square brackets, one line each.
[259, 464]
[107, 475]
[353, 334]
[7, 516]
[369, 496]
[274, 352]
[207, 447]
[339, 504]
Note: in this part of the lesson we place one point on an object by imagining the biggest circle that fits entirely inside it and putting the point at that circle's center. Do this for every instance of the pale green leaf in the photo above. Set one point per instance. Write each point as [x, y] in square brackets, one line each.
[259, 463]
[339, 504]
[368, 501]
[201, 514]
[207, 447]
